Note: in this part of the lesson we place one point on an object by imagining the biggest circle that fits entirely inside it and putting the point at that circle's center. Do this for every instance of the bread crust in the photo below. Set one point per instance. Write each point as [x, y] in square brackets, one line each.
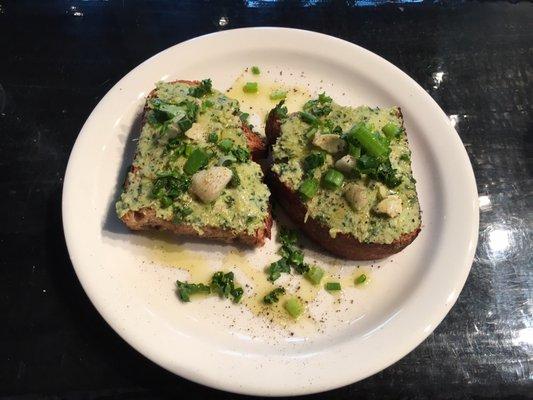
[146, 218]
[342, 245]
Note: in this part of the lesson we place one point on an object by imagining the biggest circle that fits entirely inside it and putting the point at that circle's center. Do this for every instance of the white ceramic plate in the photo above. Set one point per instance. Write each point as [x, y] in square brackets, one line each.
[131, 283]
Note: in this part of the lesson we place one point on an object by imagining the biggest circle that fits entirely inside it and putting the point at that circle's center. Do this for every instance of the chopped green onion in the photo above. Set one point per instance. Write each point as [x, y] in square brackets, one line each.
[255, 70]
[278, 94]
[250, 87]
[189, 148]
[371, 143]
[360, 279]
[391, 130]
[308, 118]
[213, 137]
[308, 188]
[332, 286]
[314, 274]
[225, 145]
[333, 179]
[197, 160]
[293, 307]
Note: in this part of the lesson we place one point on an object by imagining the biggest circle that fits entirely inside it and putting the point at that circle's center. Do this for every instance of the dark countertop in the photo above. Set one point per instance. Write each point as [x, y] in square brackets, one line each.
[59, 58]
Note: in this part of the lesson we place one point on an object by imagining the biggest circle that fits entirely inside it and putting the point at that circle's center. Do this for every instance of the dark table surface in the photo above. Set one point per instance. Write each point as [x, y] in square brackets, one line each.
[59, 58]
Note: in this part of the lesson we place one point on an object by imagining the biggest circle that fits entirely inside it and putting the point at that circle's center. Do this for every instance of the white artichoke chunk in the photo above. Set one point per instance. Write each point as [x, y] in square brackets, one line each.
[196, 132]
[329, 142]
[356, 195]
[208, 184]
[390, 206]
[345, 164]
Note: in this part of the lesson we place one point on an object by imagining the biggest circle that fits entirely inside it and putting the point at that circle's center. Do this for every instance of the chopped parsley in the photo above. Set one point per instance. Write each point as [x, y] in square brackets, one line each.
[202, 89]
[221, 283]
[181, 115]
[319, 107]
[379, 170]
[241, 154]
[244, 117]
[168, 186]
[280, 110]
[275, 269]
[291, 256]
[274, 295]
[185, 290]
[314, 160]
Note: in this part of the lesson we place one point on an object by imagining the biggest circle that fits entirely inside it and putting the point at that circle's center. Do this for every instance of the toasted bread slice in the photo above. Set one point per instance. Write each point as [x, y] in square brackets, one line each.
[240, 213]
[328, 218]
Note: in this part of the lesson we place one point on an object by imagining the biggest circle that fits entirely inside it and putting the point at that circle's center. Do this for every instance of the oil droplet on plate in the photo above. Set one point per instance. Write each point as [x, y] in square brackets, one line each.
[259, 104]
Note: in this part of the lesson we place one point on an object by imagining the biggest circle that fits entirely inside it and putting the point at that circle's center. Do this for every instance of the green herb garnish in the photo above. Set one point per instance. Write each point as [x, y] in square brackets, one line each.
[374, 144]
[250, 87]
[319, 107]
[308, 118]
[314, 160]
[255, 70]
[380, 171]
[164, 114]
[332, 286]
[244, 117]
[360, 279]
[280, 110]
[332, 179]
[213, 137]
[391, 130]
[202, 89]
[293, 307]
[273, 296]
[235, 179]
[278, 95]
[196, 161]
[241, 154]
[308, 188]
[185, 290]
[169, 185]
[225, 145]
[275, 269]
[314, 274]
[223, 284]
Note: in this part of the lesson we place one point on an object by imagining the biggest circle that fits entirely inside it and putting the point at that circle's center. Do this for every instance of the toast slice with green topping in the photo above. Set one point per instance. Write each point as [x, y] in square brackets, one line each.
[344, 177]
[193, 172]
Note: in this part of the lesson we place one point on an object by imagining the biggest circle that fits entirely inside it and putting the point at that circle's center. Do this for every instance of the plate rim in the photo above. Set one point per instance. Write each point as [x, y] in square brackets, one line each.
[192, 375]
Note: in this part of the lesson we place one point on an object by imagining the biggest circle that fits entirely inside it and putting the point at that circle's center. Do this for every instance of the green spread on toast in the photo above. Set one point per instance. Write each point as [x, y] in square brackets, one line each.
[352, 167]
[192, 136]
